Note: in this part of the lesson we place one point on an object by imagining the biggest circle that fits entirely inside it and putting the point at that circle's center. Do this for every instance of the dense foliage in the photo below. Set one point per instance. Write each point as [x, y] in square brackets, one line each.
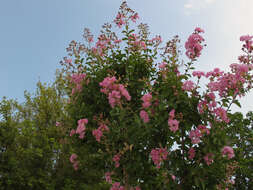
[127, 113]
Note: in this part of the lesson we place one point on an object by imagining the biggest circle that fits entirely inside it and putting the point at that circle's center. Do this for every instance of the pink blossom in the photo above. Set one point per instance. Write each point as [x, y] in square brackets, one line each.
[108, 177]
[124, 92]
[188, 85]
[97, 134]
[144, 116]
[116, 186]
[73, 157]
[173, 177]
[162, 65]
[203, 129]
[75, 165]
[116, 159]
[103, 127]
[195, 136]
[157, 39]
[114, 91]
[246, 38]
[199, 30]
[73, 160]
[77, 80]
[222, 114]
[57, 124]
[81, 127]
[146, 100]
[198, 73]
[227, 150]
[158, 155]
[193, 45]
[134, 17]
[172, 114]
[114, 98]
[72, 132]
[208, 158]
[215, 73]
[191, 153]
[173, 123]
[120, 20]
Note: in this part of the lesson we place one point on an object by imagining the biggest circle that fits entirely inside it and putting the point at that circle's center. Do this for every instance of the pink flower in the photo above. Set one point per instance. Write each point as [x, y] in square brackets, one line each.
[198, 73]
[81, 127]
[120, 20]
[124, 92]
[114, 98]
[72, 132]
[193, 44]
[146, 100]
[173, 123]
[144, 116]
[173, 177]
[199, 30]
[134, 17]
[172, 114]
[227, 150]
[116, 186]
[108, 177]
[203, 129]
[162, 65]
[97, 134]
[103, 127]
[188, 86]
[208, 158]
[73, 158]
[195, 136]
[75, 165]
[191, 153]
[222, 114]
[57, 124]
[116, 159]
[158, 155]
[246, 38]
[114, 91]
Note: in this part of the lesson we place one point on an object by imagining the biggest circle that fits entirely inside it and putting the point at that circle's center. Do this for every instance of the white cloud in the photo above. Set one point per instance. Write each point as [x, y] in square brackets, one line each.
[194, 5]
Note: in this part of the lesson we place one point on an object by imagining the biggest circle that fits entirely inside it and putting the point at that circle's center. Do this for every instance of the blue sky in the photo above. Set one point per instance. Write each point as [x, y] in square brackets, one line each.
[35, 33]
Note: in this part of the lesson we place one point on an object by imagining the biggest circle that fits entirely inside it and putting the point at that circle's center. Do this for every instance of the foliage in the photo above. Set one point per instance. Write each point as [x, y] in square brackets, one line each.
[139, 118]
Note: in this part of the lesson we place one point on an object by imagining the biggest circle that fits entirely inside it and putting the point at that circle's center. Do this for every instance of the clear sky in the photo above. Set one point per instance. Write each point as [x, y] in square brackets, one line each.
[35, 33]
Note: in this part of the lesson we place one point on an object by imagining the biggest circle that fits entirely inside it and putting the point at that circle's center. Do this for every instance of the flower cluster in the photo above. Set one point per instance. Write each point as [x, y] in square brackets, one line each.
[73, 160]
[77, 80]
[158, 155]
[116, 159]
[98, 133]
[193, 45]
[208, 158]
[101, 45]
[191, 153]
[108, 178]
[114, 91]
[136, 43]
[80, 128]
[228, 151]
[248, 42]
[188, 85]
[147, 98]
[117, 186]
[173, 123]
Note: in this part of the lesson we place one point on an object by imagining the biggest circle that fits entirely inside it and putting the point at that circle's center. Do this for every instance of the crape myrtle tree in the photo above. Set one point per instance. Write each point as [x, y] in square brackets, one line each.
[139, 118]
